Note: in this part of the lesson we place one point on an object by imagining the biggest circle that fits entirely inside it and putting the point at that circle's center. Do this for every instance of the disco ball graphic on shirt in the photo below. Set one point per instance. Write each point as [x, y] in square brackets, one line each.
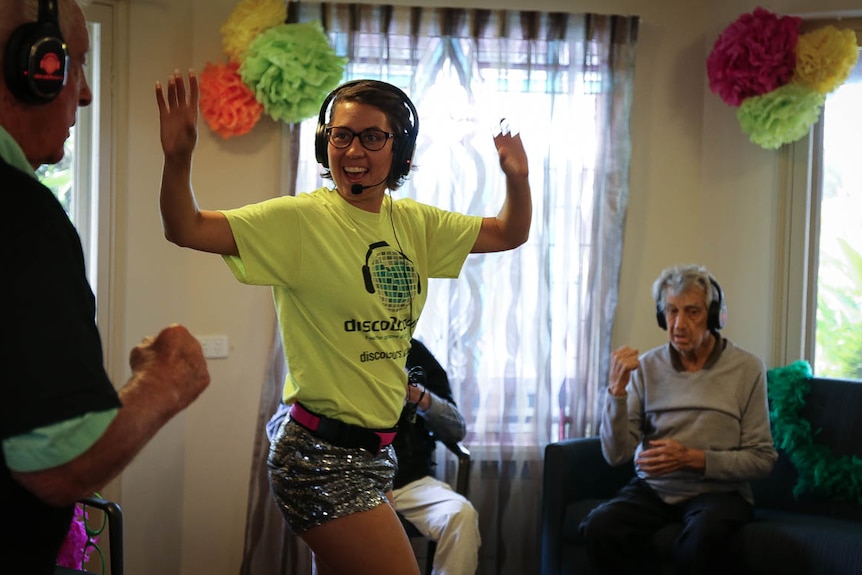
[391, 275]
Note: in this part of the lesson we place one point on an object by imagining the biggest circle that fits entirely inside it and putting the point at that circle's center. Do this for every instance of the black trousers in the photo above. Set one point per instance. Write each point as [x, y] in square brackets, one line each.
[619, 533]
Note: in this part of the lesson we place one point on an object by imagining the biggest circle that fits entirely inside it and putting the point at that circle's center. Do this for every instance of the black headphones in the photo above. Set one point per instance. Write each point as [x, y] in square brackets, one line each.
[716, 315]
[37, 58]
[403, 146]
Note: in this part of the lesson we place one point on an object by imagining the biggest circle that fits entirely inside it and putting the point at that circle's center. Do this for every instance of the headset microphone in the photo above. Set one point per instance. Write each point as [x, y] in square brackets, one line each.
[357, 189]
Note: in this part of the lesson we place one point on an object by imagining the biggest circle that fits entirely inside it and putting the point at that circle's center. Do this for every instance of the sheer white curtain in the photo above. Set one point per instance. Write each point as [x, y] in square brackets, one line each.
[524, 335]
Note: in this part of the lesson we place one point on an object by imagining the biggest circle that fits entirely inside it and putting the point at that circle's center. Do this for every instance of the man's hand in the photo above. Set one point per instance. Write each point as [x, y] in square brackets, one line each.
[172, 362]
[668, 455]
[624, 361]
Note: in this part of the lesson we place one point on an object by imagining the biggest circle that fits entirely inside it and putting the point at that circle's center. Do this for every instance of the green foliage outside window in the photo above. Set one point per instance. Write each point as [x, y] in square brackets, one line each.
[839, 314]
[59, 177]
[838, 336]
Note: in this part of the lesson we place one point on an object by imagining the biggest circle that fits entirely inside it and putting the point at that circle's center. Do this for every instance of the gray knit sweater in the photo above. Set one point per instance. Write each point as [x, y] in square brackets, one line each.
[721, 409]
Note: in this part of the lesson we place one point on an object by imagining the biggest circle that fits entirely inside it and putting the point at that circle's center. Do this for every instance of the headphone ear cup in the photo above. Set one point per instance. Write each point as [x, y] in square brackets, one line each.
[36, 62]
[659, 316]
[717, 315]
[713, 317]
[320, 145]
[320, 152]
[717, 309]
[403, 154]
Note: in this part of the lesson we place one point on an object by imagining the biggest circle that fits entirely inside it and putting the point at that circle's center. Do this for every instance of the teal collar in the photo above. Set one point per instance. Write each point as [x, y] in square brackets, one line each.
[12, 153]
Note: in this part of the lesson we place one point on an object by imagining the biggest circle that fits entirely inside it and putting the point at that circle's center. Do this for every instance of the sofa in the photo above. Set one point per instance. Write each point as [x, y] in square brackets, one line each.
[813, 531]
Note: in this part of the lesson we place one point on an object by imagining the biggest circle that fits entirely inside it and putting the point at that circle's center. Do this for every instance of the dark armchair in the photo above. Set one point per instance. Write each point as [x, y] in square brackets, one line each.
[569, 493]
[811, 534]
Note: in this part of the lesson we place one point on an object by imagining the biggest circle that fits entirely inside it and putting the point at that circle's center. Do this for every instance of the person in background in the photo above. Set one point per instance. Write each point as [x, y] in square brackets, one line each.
[346, 266]
[65, 431]
[693, 414]
[430, 504]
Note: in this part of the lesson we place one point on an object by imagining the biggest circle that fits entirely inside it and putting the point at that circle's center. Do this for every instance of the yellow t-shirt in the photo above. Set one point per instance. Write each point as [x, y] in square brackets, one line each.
[348, 286]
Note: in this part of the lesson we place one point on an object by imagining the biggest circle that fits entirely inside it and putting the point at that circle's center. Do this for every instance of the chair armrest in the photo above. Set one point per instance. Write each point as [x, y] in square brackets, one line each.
[462, 480]
[114, 515]
[574, 469]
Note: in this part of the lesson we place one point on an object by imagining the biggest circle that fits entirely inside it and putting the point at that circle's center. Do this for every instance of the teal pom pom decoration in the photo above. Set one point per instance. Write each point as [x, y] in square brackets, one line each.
[291, 68]
[781, 116]
[819, 470]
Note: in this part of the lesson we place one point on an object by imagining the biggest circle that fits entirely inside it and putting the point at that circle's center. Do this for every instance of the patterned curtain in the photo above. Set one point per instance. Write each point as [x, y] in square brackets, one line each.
[525, 335]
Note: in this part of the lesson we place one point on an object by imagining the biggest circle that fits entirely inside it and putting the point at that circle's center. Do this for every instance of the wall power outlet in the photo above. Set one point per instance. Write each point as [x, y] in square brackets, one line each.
[214, 346]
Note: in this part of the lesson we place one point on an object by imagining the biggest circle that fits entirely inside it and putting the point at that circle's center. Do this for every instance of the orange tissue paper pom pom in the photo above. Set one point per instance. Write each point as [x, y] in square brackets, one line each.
[226, 103]
[824, 58]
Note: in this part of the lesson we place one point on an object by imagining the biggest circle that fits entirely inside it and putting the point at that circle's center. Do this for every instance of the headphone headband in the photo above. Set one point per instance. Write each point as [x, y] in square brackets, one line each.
[48, 11]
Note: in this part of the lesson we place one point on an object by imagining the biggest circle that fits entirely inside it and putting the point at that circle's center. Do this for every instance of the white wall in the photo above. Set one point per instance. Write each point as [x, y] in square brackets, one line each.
[699, 193]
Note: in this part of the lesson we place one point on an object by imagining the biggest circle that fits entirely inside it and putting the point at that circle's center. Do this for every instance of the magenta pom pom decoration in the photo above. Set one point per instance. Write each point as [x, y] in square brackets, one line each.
[75, 551]
[753, 56]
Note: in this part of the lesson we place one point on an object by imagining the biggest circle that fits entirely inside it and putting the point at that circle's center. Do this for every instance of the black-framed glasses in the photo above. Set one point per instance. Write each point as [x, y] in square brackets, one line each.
[371, 139]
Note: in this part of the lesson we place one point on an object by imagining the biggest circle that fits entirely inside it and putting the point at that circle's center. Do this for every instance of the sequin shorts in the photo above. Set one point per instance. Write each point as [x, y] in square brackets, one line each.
[314, 481]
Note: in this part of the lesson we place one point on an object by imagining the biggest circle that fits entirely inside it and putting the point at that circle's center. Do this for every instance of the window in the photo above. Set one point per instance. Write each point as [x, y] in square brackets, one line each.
[838, 241]
[522, 334]
[83, 180]
[71, 179]
[823, 239]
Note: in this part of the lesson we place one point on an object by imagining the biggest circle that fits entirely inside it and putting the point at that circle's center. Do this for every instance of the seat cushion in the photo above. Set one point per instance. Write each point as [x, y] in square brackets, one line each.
[575, 513]
[775, 542]
[797, 544]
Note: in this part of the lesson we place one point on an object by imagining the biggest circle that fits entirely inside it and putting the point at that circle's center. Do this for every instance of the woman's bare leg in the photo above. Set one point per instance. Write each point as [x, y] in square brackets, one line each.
[367, 543]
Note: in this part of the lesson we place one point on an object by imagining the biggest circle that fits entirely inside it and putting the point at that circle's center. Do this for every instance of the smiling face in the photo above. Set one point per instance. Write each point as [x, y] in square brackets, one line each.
[355, 164]
[686, 314]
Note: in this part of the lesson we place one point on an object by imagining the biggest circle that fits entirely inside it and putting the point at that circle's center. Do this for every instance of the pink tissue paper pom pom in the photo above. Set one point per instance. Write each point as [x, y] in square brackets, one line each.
[753, 55]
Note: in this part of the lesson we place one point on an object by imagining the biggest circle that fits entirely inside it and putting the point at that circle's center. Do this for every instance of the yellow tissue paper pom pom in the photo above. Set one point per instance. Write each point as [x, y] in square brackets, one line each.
[248, 19]
[824, 58]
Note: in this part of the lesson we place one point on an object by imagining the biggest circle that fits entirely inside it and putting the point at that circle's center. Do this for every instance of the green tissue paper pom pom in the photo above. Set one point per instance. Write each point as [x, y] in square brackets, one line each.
[291, 68]
[781, 116]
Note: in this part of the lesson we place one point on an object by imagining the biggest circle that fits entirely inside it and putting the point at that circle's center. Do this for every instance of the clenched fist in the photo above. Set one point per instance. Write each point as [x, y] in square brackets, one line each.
[624, 361]
[172, 365]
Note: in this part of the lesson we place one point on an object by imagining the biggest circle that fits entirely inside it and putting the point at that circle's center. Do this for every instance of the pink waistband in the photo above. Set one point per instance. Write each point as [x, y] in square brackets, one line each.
[312, 422]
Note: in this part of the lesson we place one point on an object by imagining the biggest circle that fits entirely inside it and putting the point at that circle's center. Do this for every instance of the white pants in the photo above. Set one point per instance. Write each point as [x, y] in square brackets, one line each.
[444, 516]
